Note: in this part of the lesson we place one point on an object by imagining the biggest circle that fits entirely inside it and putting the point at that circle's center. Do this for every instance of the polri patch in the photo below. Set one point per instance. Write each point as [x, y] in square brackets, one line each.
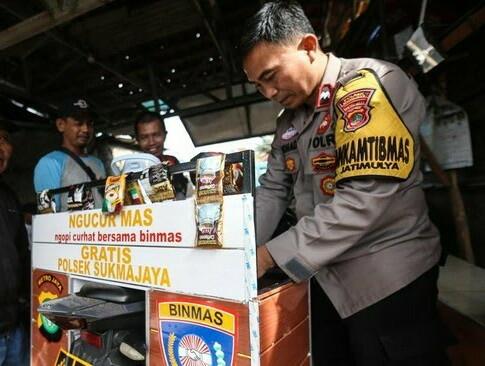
[355, 108]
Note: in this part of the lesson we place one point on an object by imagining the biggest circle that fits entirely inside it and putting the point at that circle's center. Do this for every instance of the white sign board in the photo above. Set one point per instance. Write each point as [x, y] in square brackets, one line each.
[218, 273]
[447, 132]
[153, 246]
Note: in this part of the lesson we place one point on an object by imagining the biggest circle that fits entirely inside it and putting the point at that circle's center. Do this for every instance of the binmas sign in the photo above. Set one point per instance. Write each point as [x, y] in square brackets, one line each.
[170, 223]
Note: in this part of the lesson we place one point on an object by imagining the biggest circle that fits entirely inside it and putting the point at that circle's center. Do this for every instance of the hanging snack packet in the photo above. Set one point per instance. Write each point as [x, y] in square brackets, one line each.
[156, 183]
[45, 203]
[88, 199]
[133, 195]
[75, 197]
[232, 181]
[209, 225]
[80, 198]
[209, 177]
[114, 193]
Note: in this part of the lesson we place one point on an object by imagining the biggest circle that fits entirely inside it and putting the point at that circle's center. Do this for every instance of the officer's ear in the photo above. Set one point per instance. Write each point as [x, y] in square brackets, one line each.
[309, 44]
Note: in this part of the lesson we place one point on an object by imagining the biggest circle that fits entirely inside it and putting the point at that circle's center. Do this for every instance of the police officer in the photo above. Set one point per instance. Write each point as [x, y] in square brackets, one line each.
[347, 148]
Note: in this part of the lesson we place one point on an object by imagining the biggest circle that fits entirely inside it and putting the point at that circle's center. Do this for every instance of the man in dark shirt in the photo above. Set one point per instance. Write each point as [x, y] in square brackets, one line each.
[150, 133]
[14, 267]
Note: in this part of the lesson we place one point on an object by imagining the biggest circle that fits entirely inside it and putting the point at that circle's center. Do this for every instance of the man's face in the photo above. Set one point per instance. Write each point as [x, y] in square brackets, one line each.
[5, 150]
[75, 133]
[151, 137]
[280, 72]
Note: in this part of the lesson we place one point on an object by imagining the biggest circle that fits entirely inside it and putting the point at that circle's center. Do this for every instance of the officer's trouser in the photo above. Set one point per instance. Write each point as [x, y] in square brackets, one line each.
[400, 330]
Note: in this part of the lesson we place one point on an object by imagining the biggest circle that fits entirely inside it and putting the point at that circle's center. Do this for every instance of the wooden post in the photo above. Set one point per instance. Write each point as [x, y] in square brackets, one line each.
[450, 180]
[460, 218]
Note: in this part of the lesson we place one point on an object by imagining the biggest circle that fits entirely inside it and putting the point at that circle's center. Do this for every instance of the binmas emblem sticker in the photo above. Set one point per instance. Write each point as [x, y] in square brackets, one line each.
[194, 334]
[355, 108]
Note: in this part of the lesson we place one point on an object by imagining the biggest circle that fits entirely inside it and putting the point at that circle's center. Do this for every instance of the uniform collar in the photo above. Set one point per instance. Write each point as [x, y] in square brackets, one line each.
[302, 116]
[327, 86]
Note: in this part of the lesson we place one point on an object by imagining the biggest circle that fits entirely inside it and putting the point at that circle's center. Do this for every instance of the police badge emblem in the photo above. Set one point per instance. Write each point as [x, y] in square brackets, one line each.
[326, 122]
[194, 334]
[355, 108]
[290, 164]
[324, 96]
[327, 185]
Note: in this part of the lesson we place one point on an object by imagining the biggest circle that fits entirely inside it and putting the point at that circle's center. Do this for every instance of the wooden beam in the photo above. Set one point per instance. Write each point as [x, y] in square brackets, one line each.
[43, 22]
[469, 25]
[56, 6]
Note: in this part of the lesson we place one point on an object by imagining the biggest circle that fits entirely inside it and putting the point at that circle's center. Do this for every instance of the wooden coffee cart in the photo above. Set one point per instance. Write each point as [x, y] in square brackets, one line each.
[208, 299]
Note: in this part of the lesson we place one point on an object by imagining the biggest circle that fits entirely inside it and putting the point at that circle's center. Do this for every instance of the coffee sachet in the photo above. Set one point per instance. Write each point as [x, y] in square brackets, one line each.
[209, 224]
[156, 183]
[114, 194]
[45, 202]
[80, 197]
[133, 195]
[209, 178]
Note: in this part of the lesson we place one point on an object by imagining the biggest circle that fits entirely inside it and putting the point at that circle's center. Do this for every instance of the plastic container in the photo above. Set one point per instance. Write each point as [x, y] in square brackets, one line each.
[133, 163]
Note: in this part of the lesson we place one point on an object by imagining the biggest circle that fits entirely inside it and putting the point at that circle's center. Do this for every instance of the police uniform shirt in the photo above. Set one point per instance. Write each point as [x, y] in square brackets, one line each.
[352, 164]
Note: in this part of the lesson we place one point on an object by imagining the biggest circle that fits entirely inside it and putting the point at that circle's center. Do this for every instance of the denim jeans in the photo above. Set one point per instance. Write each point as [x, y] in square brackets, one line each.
[14, 348]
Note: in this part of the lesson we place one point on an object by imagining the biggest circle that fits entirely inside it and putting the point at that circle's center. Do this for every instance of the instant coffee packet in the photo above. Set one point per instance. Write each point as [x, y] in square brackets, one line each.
[209, 225]
[155, 183]
[80, 197]
[209, 179]
[45, 202]
[233, 179]
[133, 195]
[114, 194]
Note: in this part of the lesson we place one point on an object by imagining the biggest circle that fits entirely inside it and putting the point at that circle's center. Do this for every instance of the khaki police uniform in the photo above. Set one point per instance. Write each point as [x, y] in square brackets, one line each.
[352, 165]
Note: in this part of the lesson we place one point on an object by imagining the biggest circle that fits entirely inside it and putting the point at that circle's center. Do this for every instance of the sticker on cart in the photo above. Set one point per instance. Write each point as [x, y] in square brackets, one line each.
[50, 288]
[65, 358]
[194, 334]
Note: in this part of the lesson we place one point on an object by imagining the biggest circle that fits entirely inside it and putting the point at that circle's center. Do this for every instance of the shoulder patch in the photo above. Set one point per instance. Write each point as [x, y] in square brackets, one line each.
[370, 137]
[355, 108]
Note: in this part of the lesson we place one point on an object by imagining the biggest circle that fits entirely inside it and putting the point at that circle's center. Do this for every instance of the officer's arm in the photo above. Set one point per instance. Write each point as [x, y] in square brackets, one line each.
[272, 196]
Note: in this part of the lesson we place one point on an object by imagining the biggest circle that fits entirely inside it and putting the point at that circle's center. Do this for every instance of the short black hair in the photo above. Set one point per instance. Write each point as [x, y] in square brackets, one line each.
[145, 117]
[276, 22]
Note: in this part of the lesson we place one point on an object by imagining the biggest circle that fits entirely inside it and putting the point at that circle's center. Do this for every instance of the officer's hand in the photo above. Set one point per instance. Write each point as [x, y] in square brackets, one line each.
[265, 261]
